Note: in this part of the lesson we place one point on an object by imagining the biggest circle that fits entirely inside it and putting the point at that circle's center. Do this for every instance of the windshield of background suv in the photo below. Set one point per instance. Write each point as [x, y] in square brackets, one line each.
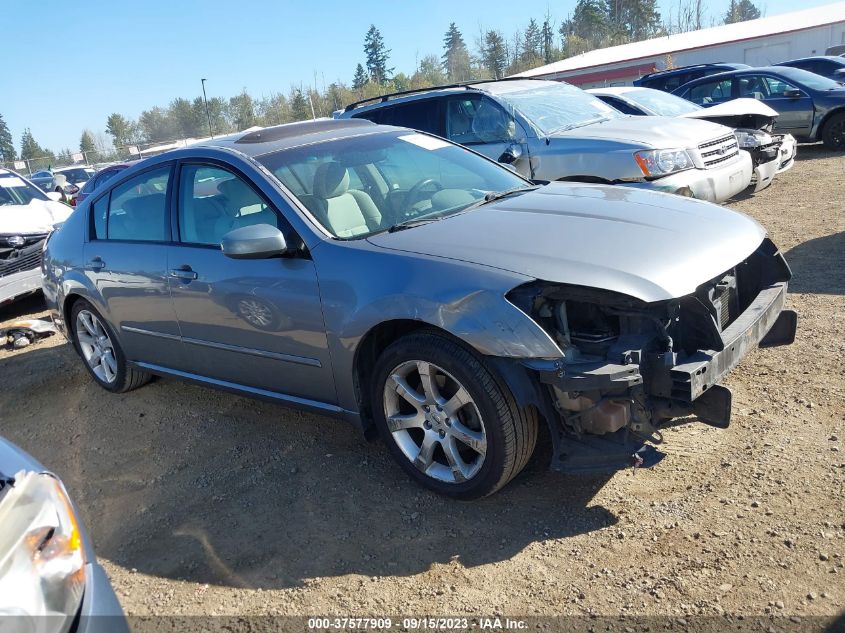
[558, 107]
[362, 185]
[15, 190]
[76, 176]
[662, 103]
[808, 79]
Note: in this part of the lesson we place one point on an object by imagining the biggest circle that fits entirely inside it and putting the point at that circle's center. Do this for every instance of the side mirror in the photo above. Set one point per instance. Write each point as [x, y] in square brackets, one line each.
[259, 241]
[511, 154]
[55, 196]
[793, 93]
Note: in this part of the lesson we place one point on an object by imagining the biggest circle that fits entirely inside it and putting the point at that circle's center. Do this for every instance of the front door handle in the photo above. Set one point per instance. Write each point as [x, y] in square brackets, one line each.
[185, 273]
[96, 264]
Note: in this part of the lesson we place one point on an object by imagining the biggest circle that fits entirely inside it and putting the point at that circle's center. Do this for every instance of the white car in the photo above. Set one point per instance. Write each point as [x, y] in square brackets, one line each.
[752, 121]
[66, 181]
[27, 217]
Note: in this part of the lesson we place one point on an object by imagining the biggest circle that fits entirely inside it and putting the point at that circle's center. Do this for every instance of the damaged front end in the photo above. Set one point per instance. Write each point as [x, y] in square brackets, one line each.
[630, 368]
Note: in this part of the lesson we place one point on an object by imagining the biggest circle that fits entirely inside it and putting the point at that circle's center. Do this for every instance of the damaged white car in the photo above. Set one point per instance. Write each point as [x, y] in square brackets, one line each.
[752, 121]
[27, 216]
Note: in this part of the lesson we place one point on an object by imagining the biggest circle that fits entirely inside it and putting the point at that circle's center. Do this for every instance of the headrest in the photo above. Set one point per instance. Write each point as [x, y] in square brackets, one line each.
[237, 192]
[331, 180]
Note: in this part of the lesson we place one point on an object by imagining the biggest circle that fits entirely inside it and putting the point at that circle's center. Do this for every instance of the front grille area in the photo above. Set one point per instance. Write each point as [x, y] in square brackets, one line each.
[718, 150]
[15, 260]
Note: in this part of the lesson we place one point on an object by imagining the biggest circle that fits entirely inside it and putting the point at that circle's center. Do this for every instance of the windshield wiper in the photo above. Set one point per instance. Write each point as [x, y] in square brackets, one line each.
[492, 196]
[412, 222]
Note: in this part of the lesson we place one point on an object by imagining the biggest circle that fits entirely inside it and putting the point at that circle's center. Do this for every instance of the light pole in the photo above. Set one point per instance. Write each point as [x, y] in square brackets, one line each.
[207, 115]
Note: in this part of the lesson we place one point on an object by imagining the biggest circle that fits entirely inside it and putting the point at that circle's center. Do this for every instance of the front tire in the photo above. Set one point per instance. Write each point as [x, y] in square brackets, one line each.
[447, 420]
[100, 350]
[833, 133]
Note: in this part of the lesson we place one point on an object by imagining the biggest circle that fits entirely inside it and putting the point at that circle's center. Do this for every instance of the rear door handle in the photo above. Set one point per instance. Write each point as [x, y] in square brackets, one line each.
[184, 273]
[96, 264]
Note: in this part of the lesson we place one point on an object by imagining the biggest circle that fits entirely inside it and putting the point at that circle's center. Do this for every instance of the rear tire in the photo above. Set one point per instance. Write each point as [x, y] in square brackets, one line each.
[100, 351]
[833, 133]
[446, 418]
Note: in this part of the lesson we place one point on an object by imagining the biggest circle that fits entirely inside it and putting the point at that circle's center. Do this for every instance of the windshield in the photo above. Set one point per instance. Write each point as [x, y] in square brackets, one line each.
[15, 190]
[363, 185]
[662, 103]
[810, 80]
[555, 107]
[76, 176]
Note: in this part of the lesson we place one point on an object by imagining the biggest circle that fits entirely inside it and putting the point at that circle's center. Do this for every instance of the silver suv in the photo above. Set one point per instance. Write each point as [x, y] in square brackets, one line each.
[549, 130]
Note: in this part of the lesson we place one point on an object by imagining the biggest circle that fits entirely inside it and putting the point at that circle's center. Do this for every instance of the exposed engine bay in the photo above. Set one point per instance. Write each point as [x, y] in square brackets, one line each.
[630, 368]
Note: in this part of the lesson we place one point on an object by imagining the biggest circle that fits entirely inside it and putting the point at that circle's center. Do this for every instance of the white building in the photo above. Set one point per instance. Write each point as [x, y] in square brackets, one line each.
[756, 43]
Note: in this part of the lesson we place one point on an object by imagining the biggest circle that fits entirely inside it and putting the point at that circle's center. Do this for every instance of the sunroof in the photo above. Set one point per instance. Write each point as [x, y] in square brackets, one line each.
[290, 130]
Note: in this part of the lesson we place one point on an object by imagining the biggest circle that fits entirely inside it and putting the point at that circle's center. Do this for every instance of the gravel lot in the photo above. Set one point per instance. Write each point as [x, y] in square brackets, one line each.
[200, 502]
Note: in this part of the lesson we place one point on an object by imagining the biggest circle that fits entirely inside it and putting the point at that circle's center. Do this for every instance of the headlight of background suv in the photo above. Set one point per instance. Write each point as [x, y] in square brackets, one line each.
[662, 162]
[42, 557]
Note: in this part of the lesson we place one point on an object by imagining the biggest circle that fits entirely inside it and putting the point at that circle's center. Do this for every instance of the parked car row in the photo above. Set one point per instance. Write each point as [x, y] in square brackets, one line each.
[808, 93]
[66, 181]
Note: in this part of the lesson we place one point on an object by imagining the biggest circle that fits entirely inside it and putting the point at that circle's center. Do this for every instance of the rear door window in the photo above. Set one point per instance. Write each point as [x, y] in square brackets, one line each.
[710, 92]
[422, 114]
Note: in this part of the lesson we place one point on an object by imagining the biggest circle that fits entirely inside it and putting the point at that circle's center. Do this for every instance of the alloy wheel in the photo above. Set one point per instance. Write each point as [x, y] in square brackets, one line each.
[96, 346]
[434, 421]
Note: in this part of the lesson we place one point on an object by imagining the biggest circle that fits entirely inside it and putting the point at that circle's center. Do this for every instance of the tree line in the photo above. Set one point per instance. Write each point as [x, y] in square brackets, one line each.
[492, 55]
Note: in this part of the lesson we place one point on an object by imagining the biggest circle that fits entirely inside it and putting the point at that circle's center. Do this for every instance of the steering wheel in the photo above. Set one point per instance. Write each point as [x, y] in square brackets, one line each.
[413, 195]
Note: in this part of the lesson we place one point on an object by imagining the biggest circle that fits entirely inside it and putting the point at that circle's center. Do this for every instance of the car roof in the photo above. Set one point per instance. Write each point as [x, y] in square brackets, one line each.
[813, 58]
[617, 90]
[679, 69]
[289, 135]
[489, 86]
[58, 170]
[775, 70]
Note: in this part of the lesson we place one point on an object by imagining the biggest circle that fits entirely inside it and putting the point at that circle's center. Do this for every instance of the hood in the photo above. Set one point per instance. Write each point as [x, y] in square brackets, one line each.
[38, 216]
[739, 113]
[658, 132]
[648, 245]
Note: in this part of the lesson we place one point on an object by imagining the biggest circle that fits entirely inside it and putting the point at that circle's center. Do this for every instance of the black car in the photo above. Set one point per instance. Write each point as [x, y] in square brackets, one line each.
[811, 107]
[672, 78]
[829, 66]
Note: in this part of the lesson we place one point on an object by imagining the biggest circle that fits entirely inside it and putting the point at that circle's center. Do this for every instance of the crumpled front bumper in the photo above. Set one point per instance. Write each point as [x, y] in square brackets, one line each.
[19, 284]
[788, 152]
[714, 185]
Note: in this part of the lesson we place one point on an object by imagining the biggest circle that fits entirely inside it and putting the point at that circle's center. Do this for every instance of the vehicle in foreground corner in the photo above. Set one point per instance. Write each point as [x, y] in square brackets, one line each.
[550, 130]
[810, 107]
[50, 580]
[751, 120]
[27, 215]
[66, 181]
[417, 288]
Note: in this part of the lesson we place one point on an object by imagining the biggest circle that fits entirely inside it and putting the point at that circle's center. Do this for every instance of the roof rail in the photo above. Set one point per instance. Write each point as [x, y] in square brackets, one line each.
[460, 84]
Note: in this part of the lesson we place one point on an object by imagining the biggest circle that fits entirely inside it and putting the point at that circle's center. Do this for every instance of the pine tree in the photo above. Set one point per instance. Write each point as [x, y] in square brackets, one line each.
[740, 11]
[88, 147]
[377, 55]
[29, 147]
[120, 129]
[299, 108]
[456, 60]
[532, 42]
[360, 78]
[242, 111]
[495, 54]
[548, 36]
[7, 147]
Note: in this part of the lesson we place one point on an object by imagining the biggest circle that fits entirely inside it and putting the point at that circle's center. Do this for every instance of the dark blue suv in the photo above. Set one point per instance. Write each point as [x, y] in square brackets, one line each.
[811, 107]
[829, 66]
[670, 79]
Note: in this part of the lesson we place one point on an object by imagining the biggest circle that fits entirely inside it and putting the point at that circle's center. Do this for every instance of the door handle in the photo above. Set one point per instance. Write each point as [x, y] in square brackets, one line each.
[184, 273]
[96, 264]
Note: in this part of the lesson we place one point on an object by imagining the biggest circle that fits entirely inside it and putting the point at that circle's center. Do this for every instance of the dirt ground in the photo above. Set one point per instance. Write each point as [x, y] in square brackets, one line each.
[200, 502]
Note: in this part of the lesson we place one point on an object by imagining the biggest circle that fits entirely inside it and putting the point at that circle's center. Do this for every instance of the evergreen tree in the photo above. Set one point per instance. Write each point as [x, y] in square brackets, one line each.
[377, 55]
[29, 147]
[740, 11]
[7, 147]
[242, 111]
[532, 42]
[548, 36]
[120, 129]
[360, 78]
[585, 29]
[494, 54]
[456, 60]
[430, 72]
[86, 143]
[299, 106]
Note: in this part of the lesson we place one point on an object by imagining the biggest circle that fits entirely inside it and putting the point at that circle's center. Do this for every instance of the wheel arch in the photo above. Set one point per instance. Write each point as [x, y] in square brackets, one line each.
[828, 117]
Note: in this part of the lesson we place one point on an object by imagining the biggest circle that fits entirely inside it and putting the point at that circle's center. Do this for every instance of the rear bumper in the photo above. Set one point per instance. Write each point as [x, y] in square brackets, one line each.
[715, 185]
[19, 284]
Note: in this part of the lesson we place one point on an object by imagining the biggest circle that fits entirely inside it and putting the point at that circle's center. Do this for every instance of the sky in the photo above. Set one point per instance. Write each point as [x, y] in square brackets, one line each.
[62, 76]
